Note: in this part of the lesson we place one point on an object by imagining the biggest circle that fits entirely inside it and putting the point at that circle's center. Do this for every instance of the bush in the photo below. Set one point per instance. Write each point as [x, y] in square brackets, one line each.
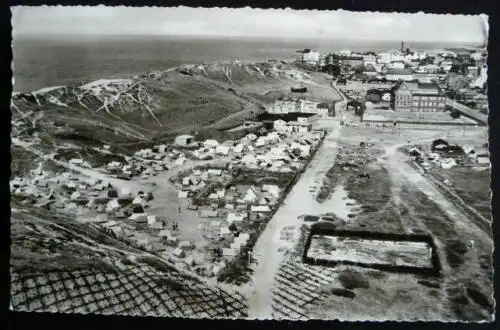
[455, 114]
[343, 293]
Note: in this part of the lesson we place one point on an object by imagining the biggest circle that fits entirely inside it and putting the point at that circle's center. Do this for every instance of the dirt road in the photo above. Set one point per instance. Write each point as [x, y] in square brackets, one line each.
[299, 201]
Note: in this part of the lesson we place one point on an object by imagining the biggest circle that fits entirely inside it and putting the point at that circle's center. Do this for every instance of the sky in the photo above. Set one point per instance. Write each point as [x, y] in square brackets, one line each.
[245, 22]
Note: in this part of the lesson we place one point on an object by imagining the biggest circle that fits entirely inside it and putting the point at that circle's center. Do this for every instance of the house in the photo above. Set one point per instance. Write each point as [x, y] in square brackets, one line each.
[251, 195]
[110, 224]
[396, 65]
[483, 156]
[234, 217]
[249, 159]
[448, 163]
[369, 57]
[75, 195]
[351, 61]
[117, 231]
[185, 245]
[71, 185]
[229, 253]
[222, 150]
[284, 106]
[272, 189]
[280, 125]
[215, 171]
[209, 213]
[138, 201]
[183, 194]
[370, 71]
[299, 127]
[238, 148]
[138, 217]
[417, 97]
[186, 181]
[260, 209]
[125, 192]
[151, 219]
[225, 231]
[396, 74]
[211, 143]
[179, 253]
[76, 161]
[158, 225]
[179, 161]
[309, 56]
[184, 140]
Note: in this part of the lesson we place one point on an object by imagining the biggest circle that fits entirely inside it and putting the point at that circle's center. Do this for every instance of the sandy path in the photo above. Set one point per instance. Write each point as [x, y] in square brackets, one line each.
[299, 201]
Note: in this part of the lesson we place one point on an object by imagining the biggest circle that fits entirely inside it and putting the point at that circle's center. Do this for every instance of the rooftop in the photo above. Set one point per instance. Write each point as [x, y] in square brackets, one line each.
[399, 71]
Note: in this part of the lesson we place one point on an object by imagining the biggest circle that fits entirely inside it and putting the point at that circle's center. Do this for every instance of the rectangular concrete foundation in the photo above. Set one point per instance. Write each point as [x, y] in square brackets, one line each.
[406, 253]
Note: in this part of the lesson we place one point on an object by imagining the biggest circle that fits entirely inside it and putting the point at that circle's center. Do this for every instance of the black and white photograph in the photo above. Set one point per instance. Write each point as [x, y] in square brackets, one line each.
[241, 163]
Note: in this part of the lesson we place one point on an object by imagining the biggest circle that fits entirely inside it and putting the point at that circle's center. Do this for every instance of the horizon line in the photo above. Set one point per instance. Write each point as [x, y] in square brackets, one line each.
[218, 36]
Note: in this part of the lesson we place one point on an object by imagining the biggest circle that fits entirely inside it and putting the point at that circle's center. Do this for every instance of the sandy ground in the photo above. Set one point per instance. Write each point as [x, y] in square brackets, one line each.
[299, 201]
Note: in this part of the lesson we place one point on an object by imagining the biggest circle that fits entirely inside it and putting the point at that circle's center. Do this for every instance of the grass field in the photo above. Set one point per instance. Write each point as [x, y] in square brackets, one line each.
[473, 186]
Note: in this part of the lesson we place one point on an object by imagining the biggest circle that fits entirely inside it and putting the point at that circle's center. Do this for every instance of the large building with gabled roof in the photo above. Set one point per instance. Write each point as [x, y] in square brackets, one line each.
[417, 97]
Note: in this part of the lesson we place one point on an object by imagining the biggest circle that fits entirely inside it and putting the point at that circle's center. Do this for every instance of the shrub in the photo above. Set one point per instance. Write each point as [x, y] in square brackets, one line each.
[343, 293]
[455, 114]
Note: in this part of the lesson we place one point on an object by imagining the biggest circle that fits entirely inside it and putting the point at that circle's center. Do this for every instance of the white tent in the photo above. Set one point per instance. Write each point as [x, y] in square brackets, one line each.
[222, 150]
[211, 143]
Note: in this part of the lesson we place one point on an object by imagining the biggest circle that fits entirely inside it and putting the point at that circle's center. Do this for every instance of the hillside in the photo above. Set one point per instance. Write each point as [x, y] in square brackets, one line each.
[61, 265]
[130, 113]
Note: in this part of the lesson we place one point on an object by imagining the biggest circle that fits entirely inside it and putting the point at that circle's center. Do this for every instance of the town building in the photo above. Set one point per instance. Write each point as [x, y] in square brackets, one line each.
[309, 56]
[300, 127]
[399, 74]
[370, 71]
[184, 140]
[284, 106]
[425, 77]
[369, 58]
[351, 61]
[388, 57]
[396, 65]
[417, 97]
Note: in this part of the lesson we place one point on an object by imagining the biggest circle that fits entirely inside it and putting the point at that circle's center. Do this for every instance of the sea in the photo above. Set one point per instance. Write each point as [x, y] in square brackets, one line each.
[45, 61]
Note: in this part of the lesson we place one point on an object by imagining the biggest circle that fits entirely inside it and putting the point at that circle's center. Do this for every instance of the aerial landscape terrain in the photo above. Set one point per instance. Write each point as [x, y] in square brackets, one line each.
[338, 184]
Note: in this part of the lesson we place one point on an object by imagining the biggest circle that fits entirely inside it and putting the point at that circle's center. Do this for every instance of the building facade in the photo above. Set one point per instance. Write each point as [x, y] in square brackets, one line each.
[309, 56]
[284, 106]
[417, 97]
[399, 74]
[351, 61]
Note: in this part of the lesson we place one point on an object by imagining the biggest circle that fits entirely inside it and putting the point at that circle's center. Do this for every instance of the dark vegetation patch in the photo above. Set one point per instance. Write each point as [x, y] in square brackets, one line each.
[94, 157]
[479, 298]
[351, 279]
[439, 224]
[471, 185]
[343, 293]
[311, 218]
[22, 161]
[430, 284]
